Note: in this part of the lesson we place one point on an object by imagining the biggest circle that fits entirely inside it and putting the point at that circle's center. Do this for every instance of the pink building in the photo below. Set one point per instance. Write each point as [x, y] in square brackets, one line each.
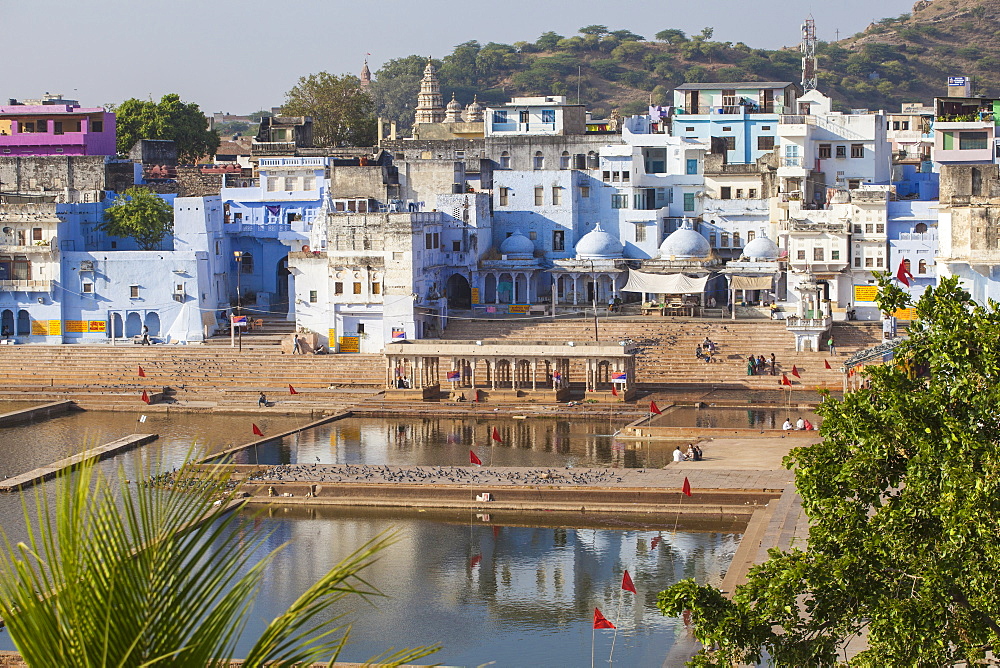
[56, 129]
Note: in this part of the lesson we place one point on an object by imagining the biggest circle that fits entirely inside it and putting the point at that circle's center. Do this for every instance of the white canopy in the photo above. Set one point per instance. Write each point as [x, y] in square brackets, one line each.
[750, 282]
[672, 284]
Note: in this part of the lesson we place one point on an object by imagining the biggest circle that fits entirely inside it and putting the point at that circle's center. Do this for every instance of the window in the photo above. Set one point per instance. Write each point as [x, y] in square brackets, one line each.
[532, 235]
[800, 254]
[751, 235]
[619, 201]
[548, 115]
[711, 239]
[57, 127]
[437, 240]
[692, 166]
[921, 267]
[504, 194]
[36, 234]
[971, 141]
[88, 288]
[727, 128]
[640, 233]
[272, 184]
[878, 261]
[397, 256]
[730, 143]
[97, 126]
[857, 229]
[841, 151]
[357, 287]
[857, 262]
[616, 176]
[539, 162]
[880, 228]
[765, 143]
[736, 240]
[689, 201]
[499, 117]
[752, 193]
[689, 129]
[428, 241]
[920, 228]
[456, 246]
[725, 192]
[661, 198]
[376, 288]
[504, 160]
[739, 193]
[606, 176]
[564, 160]
[246, 263]
[584, 191]
[133, 291]
[858, 150]
[906, 265]
[724, 240]
[558, 240]
[539, 195]
[824, 151]
[523, 116]
[309, 183]
[835, 255]
[765, 127]
[556, 195]
[290, 183]
[338, 288]
[625, 176]
[869, 228]
[313, 296]
[869, 262]
[43, 126]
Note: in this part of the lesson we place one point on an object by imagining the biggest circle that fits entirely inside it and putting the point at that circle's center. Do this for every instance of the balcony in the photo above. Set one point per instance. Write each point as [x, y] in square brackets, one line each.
[292, 162]
[272, 148]
[25, 286]
[12, 249]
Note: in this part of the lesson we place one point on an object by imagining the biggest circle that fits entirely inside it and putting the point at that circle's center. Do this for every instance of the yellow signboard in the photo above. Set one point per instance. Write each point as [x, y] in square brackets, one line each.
[97, 326]
[55, 327]
[906, 314]
[350, 344]
[39, 327]
[519, 308]
[865, 293]
[475, 296]
[76, 326]
[331, 337]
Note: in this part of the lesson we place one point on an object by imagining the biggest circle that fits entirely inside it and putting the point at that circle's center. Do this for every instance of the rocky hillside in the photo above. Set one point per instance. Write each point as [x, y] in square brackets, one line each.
[898, 59]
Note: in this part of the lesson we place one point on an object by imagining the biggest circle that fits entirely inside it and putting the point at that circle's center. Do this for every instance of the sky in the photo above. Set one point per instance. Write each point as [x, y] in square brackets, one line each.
[240, 56]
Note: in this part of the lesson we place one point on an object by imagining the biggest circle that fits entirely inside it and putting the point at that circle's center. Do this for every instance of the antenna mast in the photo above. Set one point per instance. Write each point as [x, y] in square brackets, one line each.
[808, 49]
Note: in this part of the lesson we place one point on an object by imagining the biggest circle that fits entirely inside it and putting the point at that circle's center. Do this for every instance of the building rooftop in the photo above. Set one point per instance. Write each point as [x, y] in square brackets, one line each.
[735, 85]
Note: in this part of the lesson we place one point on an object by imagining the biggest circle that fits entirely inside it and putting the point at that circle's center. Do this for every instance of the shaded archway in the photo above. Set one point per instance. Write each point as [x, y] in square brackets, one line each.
[133, 324]
[117, 331]
[7, 322]
[23, 323]
[153, 323]
[459, 292]
[281, 279]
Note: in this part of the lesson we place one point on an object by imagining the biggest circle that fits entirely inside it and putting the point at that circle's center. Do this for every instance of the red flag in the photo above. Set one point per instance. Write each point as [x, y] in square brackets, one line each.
[496, 436]
[785, 381]
[827, 363]
[614, 391]
[653, 408]
[475, 460]
[686, 487]
[476, 398]
[145, 397]
[142, 374]
[902, 274]
[600, 622]
[655, 542]
[256, 430]
[292, 390]
[475, 560]
[795, 371]
[627, 583]
[496, 530]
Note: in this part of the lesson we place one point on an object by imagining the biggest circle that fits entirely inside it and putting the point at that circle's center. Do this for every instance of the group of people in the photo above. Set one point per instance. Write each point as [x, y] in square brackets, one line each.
[759, 366]
[800, 425]
[705, 350]
[615, 305]
[693, 454]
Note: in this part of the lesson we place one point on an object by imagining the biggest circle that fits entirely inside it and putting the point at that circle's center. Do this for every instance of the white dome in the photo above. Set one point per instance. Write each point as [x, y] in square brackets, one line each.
[454, 105]
[517, 247]
[598, 244]
[761, 248]
[685, 243]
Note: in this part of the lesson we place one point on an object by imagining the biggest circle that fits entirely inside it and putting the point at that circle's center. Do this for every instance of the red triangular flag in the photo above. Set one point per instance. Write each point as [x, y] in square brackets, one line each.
[653, 408]
[142, 374]
[827, 363]
[256, 430]
[475, 460]
[614, 390]
[627, 583]
[686, 487]
[145, 397]
[795, 371]
[785, 381]
[600, 622]
[475, 398]
[475, 560]
[496, 436]
[902, 275]
[292, 390]
[656, 541]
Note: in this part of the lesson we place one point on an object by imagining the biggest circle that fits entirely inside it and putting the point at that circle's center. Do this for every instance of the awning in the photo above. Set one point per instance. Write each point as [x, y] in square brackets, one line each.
[672, 284]
[750, 282]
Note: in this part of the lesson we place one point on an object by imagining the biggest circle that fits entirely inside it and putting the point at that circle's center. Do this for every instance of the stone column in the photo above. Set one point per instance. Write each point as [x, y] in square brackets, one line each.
[534, 373]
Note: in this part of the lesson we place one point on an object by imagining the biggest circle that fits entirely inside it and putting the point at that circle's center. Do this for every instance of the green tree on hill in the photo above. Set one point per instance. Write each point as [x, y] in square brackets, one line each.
[903, 499]
[671, 36]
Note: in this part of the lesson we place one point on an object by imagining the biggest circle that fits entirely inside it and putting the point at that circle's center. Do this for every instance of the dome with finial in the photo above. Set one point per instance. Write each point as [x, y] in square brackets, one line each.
[517, 247]
[453, 112]
[685, 243]
[475, 112]
[598, 245]
[760, 248]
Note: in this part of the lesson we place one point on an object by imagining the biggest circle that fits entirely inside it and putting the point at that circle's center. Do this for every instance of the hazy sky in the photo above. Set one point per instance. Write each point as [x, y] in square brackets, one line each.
[242, 56]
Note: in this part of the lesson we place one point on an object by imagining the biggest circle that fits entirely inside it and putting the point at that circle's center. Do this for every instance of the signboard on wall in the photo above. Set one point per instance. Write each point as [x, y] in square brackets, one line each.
[398, 334]
[76, 326]
[39, 327]
[865, 293]
[906, 314]
[331, 339]
[519, 308]
[350, 344]
[475, 296]
[97, 326]
[55, 328]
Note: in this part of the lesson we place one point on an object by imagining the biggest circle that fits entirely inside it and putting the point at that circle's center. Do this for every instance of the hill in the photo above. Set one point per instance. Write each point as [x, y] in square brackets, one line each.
[898, 59]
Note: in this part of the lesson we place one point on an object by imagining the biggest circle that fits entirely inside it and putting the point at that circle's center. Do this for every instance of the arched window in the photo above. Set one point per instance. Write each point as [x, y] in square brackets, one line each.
[505, 160]
[246, 263]
[922, 267]
[539, 160]
[920, 228]
[564, 160]
[906, 266]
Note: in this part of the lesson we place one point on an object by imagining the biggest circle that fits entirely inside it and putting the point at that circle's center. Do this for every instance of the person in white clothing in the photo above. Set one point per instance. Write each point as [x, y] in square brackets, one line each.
[678, 455]
[788, 425]
[800, 424]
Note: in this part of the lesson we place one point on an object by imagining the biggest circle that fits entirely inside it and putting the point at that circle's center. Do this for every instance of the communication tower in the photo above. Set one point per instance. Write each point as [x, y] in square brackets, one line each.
[808, 49]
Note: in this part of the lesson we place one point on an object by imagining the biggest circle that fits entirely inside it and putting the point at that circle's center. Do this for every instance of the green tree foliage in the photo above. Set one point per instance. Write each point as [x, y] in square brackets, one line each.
[903, 498]
[170, 118]
[395, 87]
[139, 214]
[343, 113]
[547, 41]
[119, 574]
[671, 36]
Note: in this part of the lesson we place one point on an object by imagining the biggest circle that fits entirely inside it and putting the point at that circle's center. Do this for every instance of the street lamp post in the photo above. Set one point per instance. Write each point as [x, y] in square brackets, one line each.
[238, 255]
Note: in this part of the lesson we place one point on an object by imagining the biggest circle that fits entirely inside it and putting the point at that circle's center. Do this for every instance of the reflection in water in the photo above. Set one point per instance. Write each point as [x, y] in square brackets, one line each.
[732, 418]
[490, 591]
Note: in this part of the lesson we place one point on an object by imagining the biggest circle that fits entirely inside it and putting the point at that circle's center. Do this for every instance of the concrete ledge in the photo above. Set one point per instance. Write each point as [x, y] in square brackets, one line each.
[44, 411]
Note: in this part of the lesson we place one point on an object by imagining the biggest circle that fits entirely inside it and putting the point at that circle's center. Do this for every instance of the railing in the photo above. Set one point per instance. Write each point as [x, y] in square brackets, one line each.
[265, 228]
[25, 286]
[791, 162]
[24, 249]
[810, 323]
[292, 162]
[269, 147]
[918, 236]
[820, 122]
[234, 181]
